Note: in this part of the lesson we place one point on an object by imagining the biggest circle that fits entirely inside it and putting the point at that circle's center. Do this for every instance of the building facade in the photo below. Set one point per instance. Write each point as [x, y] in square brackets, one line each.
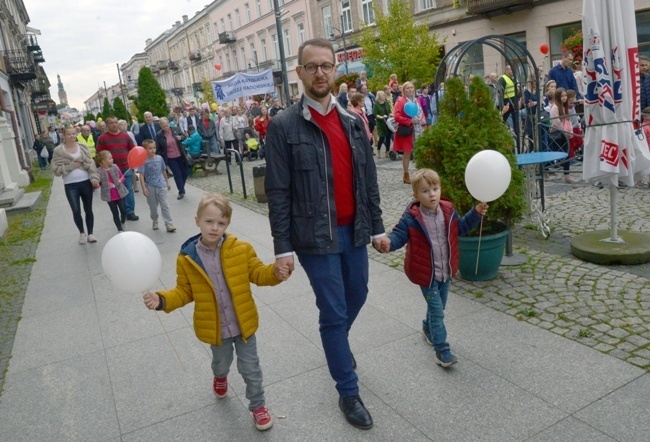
[25, 101]
[530, 22]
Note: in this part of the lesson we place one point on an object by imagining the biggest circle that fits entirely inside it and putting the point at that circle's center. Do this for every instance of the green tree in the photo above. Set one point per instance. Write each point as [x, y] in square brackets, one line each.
[107, 110]
[90, 117]
[151, 97]
[119, 109]
[396, 45]
[208, 94]
[467, 125]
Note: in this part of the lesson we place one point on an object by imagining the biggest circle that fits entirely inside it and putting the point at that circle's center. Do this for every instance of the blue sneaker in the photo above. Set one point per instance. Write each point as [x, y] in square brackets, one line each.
[445, 359]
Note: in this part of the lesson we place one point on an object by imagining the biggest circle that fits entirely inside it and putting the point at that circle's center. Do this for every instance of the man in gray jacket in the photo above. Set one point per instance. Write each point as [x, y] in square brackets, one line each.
[321, 184]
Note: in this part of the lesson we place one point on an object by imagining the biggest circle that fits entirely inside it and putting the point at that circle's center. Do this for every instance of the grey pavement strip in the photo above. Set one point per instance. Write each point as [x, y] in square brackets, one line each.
[606, 308]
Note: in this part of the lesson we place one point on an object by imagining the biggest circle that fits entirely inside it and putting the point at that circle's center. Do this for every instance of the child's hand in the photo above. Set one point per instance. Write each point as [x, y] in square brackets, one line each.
[482, 208]
[382, 244]
[169, 187]
[145, 192]
[151, 300]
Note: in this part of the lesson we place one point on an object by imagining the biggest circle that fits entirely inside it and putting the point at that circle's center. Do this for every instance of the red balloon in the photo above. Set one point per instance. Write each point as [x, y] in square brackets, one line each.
[137, 157]
[543, 48]
[217, 66]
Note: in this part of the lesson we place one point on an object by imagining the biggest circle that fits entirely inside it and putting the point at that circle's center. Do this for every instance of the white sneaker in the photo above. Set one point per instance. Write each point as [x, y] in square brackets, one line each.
[91, 238]
[83, 238]
[170, 228]
[570, 180]
[155, 225]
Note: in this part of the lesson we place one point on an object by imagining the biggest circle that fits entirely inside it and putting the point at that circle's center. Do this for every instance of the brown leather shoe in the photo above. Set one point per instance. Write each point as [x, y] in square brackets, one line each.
[407, 178]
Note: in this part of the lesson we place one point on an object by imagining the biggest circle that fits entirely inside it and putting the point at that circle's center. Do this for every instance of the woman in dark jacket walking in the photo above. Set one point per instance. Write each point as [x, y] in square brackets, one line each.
[168, 140]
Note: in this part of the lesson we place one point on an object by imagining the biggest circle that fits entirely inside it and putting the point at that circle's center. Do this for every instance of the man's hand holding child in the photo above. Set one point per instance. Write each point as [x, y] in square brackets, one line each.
[282, 272]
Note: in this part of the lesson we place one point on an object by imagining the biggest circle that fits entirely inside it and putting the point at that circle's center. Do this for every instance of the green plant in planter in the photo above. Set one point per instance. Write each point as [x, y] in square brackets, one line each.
[467, 124]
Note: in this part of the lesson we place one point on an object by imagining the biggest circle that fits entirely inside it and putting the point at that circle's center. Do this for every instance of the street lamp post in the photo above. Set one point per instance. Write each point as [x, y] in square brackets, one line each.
[345, 47]
[283, 60]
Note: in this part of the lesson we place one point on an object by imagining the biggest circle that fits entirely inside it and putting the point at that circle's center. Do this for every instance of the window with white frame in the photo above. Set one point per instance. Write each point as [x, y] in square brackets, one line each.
[235, 60]
[265, 56]
[276, 47]
[254, 53]
[223, 26]
[327, 20]
[242, 51]
[258, 7]
[368, 12]
[287, 42]
[270, 5]
[229, 22]
[346, 16]
[237, 19]
[216, 29]
[301, 33]
[427, 4]
[208, 36]
[228, 67]
[247, 13]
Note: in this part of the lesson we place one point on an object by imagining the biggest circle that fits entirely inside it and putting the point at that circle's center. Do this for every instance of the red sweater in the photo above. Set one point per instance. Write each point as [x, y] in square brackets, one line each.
[341, 164]
[119, 146]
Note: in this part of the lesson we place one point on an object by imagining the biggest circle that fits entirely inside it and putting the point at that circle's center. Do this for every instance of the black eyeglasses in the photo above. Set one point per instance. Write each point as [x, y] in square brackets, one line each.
[311, 68]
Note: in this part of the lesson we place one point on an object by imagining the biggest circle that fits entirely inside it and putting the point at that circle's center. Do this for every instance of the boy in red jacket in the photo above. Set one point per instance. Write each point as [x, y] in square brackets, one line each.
[430, 227]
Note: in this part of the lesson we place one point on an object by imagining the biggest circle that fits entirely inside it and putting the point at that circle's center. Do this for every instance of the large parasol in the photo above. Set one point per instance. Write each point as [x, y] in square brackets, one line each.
[615, 149]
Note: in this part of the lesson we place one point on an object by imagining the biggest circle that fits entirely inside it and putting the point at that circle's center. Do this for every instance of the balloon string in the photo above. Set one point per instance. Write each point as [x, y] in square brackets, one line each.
[478, 252]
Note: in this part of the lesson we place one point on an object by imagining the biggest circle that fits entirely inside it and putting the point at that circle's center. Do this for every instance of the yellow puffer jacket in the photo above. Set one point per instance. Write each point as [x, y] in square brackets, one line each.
[240, 265]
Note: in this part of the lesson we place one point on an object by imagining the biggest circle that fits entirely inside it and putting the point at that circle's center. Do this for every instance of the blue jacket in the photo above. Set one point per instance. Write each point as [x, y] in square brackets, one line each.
[564, 78]
[193, 143]
[411, 230]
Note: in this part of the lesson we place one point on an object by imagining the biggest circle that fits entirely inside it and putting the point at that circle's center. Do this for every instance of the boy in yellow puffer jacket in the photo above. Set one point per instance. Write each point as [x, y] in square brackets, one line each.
[215, 270]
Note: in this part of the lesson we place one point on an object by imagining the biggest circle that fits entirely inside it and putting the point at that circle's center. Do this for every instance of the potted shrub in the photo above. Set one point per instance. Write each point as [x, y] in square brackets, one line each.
[468, 123]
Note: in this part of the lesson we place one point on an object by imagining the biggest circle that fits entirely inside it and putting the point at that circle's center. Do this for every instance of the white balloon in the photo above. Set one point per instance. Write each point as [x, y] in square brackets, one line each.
[487, 175]
[132, 262]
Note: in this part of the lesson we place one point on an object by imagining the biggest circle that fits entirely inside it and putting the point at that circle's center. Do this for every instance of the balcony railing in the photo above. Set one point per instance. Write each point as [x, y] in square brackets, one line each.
[476, 7]
[195, 56]
[227, 37]
[177, 91]
[173, 65]
[154, 68]
[274, 65]
[162, 64]
[19, 65]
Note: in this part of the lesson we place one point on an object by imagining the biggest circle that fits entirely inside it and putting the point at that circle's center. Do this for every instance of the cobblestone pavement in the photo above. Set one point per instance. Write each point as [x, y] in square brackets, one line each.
[607, 308]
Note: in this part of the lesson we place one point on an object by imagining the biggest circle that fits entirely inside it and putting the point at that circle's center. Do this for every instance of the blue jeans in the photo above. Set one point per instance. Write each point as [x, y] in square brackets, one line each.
[433, 324]
[248, 365]
[214, 145]
[42, 162]
[74, 192]
[129, 200]
[340, 283]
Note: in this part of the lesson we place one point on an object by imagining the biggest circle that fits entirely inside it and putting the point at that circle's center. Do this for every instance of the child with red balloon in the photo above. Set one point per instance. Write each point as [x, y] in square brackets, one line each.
[113, 190]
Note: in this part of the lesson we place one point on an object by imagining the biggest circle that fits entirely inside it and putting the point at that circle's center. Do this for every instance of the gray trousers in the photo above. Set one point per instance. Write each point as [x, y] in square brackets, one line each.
[248, 366]
[158, 195]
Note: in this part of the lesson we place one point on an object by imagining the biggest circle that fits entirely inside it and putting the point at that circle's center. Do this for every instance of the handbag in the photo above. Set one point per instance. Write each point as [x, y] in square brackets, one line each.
[404, 131]
[44, 152]
[391, 124]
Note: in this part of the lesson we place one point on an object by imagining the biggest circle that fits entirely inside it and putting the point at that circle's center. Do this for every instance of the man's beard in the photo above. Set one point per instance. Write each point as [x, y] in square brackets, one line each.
[319, 94]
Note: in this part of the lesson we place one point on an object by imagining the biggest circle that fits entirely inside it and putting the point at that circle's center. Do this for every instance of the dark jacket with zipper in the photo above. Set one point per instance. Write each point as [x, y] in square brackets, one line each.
[300, 185]
[161, 143]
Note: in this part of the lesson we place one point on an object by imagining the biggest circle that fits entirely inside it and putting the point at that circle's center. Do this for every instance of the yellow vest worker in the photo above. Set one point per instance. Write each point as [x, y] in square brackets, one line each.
[89, 143]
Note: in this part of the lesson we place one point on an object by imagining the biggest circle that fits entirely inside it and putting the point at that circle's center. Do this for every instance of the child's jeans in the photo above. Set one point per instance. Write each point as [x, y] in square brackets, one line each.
[433, 324]
[248, 365]
[158, 195]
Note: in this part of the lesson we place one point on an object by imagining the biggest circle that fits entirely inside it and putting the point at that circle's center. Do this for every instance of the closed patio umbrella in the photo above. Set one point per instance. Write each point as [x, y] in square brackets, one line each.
[615, 149]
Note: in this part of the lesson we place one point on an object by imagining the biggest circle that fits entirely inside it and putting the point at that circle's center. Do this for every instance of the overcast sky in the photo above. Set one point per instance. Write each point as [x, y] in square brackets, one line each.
[82, 40]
